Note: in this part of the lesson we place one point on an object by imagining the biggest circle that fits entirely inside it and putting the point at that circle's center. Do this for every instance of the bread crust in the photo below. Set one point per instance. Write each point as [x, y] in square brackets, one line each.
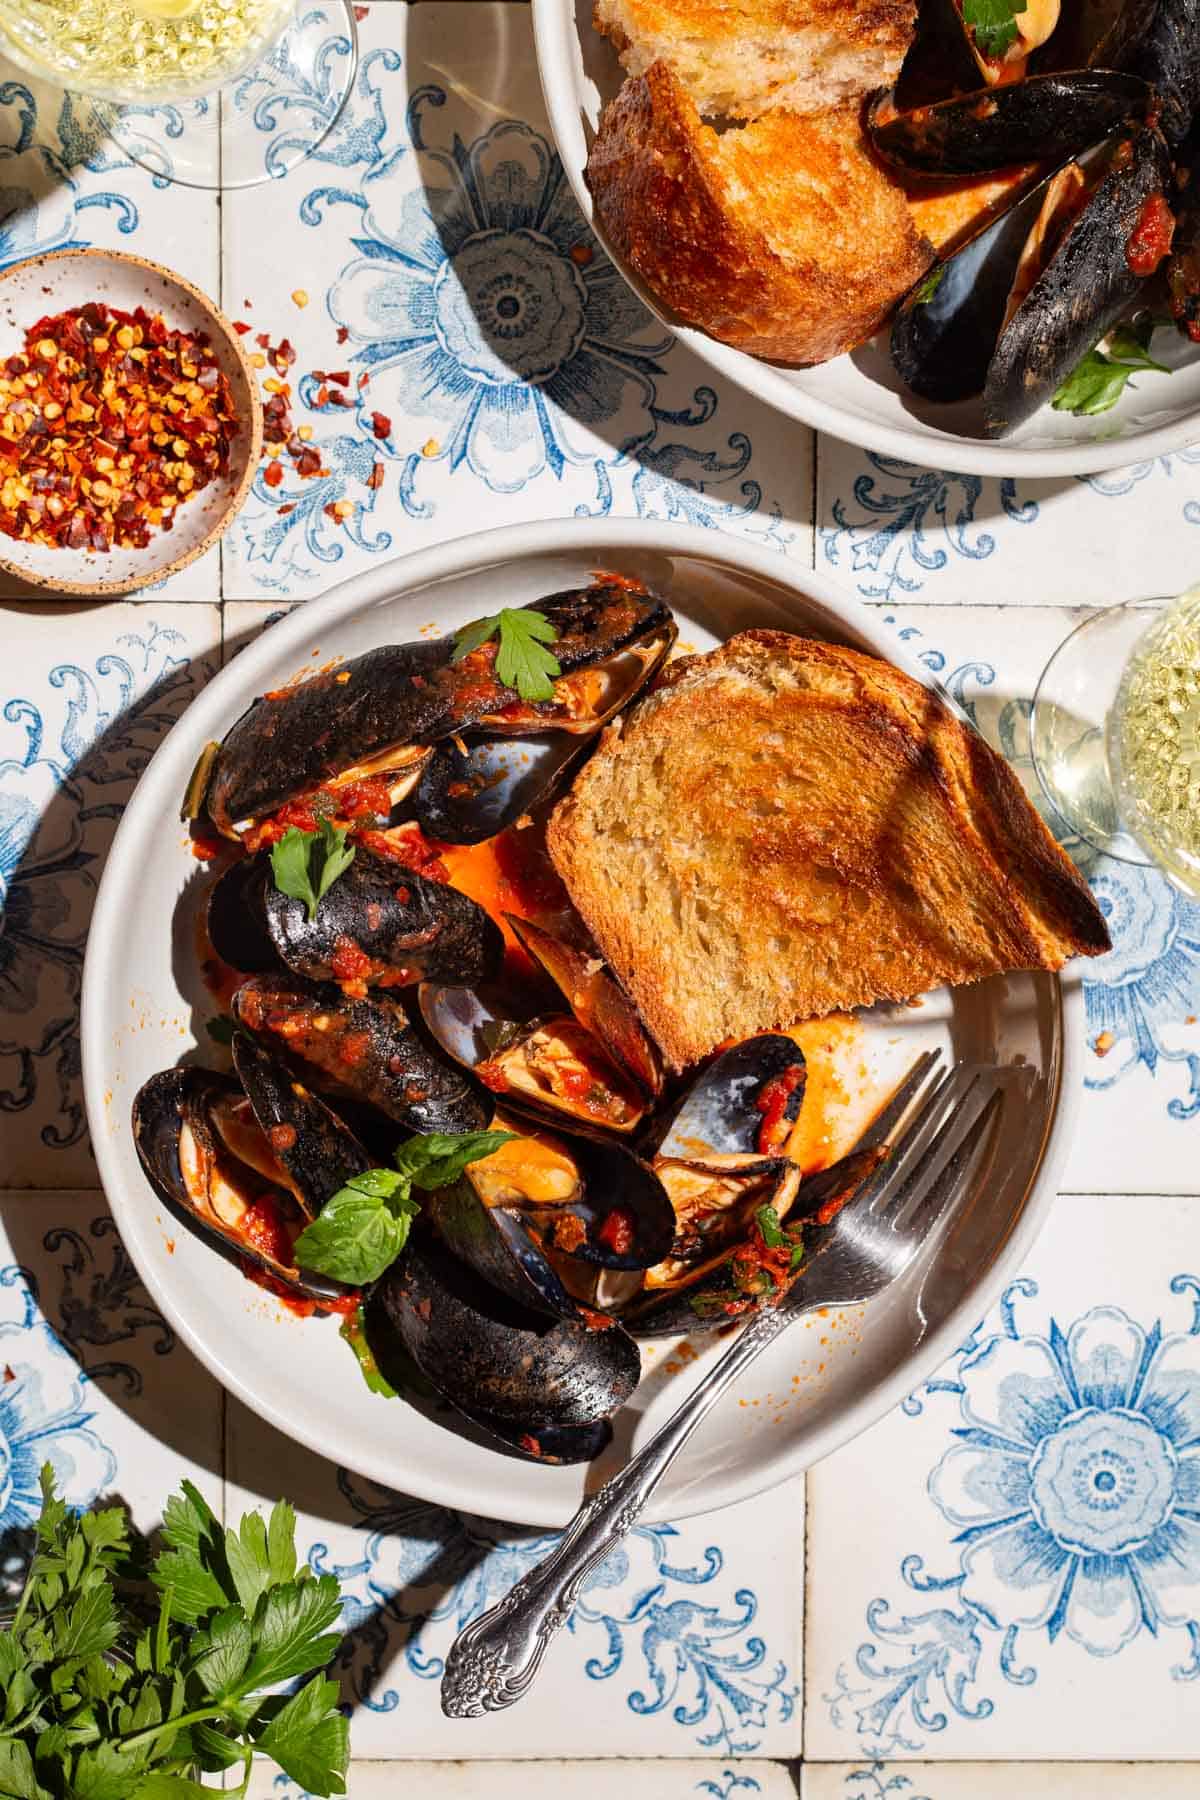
[915, 860]
[704, 221]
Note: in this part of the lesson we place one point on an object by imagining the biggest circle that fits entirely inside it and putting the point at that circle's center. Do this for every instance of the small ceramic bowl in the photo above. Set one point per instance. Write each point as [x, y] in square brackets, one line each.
[65, 279]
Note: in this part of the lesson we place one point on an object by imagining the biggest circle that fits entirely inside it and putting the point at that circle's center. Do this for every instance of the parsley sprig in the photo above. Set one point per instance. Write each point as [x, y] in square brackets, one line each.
[994, 23]
[100, 1704]
[361, 1230]
[1097, 383]
[522, 660]
[305, 864]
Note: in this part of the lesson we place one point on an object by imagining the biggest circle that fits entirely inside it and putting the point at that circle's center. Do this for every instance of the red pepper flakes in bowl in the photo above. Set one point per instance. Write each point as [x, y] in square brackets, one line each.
[109, 421]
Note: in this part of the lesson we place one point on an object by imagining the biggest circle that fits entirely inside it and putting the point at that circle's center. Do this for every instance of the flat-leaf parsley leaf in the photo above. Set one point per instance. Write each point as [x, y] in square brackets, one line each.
[305, 864]
[522, 660]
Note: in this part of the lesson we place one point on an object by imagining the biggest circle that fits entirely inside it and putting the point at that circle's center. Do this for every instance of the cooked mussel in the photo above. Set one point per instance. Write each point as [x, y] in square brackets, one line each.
[471, 789]
[743, 1104]
[949, 56]
[543, 1211]
[546, 1387]
[1167, 54]
[597, 1001]
[751, 1267]
[1100, 234]
[550, 1065]
[1042, 119]
[1013, 311]
[375, 716]
[365, 1048]
[245, 1184]
[1096, 34]
[1183, 264]
[381, 924]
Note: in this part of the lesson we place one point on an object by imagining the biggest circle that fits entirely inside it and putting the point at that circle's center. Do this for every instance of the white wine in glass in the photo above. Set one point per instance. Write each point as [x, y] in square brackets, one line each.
[1115, 734]
[154, 70]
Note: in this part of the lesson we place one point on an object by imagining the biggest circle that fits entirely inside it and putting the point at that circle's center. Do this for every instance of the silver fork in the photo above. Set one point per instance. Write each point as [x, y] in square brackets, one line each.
[870, 1242]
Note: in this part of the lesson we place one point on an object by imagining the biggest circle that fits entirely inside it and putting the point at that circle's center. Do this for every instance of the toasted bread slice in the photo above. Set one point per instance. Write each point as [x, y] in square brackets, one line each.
[741, 58]
[786, 828]
[784, 238]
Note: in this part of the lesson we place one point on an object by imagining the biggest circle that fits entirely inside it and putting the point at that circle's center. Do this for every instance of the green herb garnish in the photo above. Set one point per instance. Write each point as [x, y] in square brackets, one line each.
[102, 1703]
[306, 864]
[522, 660]
[354, 1331]
[767, 1220]
[1097, 383]
[930, 285]
[361, 1230]
[994, 23]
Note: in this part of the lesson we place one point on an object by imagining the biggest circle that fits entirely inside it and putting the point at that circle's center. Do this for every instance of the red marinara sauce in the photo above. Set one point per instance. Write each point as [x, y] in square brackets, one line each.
[1150, 239]
[617, 1231]
[772, 1103]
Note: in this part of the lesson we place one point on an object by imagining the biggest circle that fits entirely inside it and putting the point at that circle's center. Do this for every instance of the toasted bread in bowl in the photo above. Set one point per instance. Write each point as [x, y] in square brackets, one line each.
[738, 59]
[787, 828]
[784, 237]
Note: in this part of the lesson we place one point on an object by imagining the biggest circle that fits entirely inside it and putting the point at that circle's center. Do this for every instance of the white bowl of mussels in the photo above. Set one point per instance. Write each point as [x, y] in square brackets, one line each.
[288, 1054]
[1049, 335]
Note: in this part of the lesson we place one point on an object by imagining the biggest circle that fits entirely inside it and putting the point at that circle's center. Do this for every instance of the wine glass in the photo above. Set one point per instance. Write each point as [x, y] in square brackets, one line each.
[1115, 734]
[195, 90]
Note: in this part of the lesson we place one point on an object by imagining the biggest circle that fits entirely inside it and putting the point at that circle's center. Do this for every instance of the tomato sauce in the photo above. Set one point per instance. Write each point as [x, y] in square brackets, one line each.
[1150, 239]
[617, 1231]
[773, 1103]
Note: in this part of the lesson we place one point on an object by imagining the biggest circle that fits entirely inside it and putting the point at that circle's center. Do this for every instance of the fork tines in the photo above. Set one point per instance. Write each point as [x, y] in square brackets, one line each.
[939, 1138]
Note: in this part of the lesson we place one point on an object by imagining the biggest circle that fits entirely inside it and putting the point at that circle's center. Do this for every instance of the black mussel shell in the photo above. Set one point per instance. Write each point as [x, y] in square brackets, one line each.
[1183, 264]
[1042, 119]
[1096, 34]
[1081, 293]
[318, 1150]
[506, 1368]
[405, 695]
[161, 1108]
[470, 793]
[941, 59]
[596, 999]
[236, 926]
[499, 1244]
[1167, 55]
[367, 1049]
[721, 1114]
[714, 1300]
[398, 920]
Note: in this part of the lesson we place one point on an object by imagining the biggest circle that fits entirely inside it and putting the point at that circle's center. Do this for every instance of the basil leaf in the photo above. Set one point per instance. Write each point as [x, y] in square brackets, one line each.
[354, 1239]
[767, 1220]
[354, 1333]
[437, 1158]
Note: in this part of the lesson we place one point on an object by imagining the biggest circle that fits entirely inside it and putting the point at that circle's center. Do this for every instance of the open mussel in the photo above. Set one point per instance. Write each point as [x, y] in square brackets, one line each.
[1167, 54]
[374, 717]
[247, 1166]
[365, 1048]
[948, 55]
[1042, 119]
[471, 789]
[1011, 313]
[381, 924]
[1100, 234]
[545, 1387]
[744, 1103]
[541, 1214]
[550, 1065]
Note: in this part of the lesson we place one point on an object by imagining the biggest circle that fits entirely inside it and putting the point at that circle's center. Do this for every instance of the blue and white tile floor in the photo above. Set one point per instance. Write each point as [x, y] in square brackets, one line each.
[1007, 1569]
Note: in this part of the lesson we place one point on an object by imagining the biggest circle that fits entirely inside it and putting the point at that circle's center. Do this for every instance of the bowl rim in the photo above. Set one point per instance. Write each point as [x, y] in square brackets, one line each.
[769, 383]
[233, 342]
[201, 721]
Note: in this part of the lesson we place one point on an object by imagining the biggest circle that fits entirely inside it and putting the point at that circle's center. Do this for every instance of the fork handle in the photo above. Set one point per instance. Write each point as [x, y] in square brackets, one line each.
[493, 1661]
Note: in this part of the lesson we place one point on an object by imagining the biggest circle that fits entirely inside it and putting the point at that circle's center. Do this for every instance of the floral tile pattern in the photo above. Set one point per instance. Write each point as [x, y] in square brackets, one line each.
[685, 1643]
[89, 695]
[893, 530]
[499, 368]
[978, 1781]
[1030, 1571]
[551, 1780]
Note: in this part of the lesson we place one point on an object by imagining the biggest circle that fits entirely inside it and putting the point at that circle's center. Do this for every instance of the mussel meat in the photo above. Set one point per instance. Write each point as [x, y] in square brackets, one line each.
[381, 924]
[376, 715]
[365, 1048]
[597, 1001]
[550, 1065]
[245, 1184]
[545, 1387]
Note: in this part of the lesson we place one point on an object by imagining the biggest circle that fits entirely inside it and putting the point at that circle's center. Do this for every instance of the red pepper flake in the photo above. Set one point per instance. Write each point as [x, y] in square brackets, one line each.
[241, 327]
[375, 478]
[617, 1231]
[581, 255]
[360, 13]
[343, 332]
[364, 380]
[109, 421]
[381, 425]
[273, 474]
[263, 340]
[283, 511]
[339, 376]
